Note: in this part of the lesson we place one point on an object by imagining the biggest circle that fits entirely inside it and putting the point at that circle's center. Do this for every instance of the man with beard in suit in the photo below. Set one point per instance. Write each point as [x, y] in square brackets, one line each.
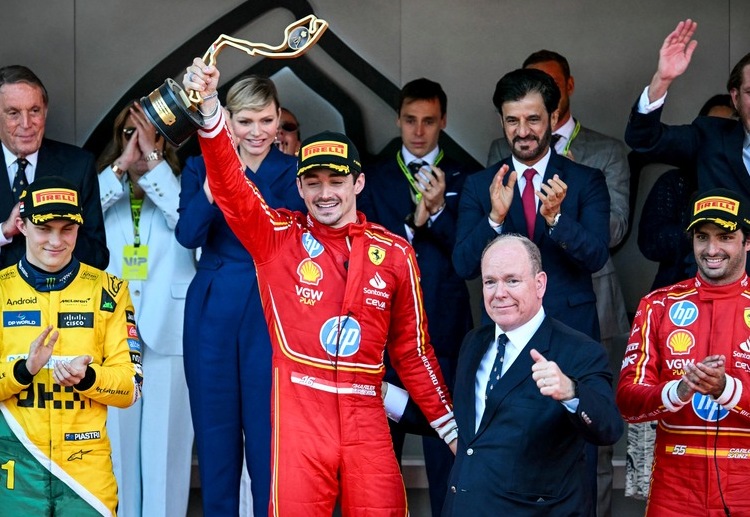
[561, 206]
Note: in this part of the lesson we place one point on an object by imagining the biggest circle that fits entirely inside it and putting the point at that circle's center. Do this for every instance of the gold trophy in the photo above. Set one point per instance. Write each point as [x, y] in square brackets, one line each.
[175, 113]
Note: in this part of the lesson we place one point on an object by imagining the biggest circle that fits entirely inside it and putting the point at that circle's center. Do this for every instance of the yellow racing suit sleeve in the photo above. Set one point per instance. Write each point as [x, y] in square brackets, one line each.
[118, 378]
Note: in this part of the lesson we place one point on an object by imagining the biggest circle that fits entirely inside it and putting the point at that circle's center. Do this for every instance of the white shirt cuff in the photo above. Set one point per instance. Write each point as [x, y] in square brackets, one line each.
[644, 106]
[395, 402]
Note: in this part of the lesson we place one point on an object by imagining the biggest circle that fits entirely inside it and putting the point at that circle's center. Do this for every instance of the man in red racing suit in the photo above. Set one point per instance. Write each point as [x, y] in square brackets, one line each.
[335, 291]
[686, 365]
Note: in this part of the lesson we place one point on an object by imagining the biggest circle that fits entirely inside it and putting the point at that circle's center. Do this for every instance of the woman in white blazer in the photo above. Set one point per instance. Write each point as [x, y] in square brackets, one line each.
[151, 441]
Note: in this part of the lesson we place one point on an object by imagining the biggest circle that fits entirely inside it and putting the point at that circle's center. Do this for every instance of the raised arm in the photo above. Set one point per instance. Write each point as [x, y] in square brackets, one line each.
[674, 58]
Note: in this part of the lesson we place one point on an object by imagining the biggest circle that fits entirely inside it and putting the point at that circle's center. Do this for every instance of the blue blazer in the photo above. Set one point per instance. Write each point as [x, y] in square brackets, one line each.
[77, 166]
[711, 146]
[577, 247]
[386, 200]
[527, 457]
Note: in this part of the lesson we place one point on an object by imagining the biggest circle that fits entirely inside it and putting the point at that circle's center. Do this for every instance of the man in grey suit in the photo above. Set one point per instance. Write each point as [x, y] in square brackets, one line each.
[608, 154]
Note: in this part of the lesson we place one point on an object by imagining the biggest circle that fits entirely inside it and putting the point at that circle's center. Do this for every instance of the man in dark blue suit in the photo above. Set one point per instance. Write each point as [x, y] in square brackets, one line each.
[23, 115]
[562, 206]
[566, 212]
[530, 392]
[718, 149]
[414, 193]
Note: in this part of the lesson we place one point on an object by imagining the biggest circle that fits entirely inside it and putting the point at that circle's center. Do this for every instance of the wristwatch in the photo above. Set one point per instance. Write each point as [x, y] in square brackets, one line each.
[555, 220]
[119, 171]
[154, 155]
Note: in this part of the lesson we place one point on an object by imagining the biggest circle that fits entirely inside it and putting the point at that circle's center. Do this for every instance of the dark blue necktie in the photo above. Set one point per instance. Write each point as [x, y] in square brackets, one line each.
[497, 367]
[19, 182]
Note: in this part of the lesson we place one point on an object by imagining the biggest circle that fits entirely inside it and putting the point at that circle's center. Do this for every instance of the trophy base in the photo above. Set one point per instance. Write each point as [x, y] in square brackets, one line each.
[171, 112]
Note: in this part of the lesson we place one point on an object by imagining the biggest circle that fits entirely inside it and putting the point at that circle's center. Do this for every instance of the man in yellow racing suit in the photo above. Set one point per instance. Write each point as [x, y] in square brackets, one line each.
[68, 348]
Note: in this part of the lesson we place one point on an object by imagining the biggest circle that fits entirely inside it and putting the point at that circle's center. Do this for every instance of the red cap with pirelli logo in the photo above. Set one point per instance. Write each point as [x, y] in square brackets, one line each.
[329, 150]
[722, 207]
[49, 198]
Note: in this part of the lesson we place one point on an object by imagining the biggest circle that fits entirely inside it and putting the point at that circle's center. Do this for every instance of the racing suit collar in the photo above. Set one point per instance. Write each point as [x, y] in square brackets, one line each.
[43, 281]
[707, 291]
[351, 230]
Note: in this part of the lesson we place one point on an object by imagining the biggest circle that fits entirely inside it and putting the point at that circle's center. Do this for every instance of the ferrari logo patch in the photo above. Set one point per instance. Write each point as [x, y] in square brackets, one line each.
[376, 254]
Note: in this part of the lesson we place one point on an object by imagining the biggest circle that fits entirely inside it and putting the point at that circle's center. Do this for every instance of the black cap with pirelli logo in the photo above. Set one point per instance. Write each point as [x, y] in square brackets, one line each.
[49, 198]
[722, 207]
[329, 150]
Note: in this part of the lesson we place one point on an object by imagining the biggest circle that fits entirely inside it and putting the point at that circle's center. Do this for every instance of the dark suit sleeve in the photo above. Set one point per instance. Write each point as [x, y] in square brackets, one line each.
[91, 246]
[473, 230]
[442, 231]
[584, 236]
[675, 145]
[196, 212]
[597, 417]
[413, 421]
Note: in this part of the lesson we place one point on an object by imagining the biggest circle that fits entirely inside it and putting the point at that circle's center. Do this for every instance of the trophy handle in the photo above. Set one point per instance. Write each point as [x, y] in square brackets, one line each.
[298, 38]
[174, 111]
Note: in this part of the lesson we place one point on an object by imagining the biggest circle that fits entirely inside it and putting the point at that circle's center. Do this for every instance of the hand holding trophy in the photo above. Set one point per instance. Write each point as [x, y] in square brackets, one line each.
[175, 113]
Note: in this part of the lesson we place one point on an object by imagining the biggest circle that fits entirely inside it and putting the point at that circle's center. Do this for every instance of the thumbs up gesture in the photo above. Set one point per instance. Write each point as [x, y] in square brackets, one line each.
[550, 380]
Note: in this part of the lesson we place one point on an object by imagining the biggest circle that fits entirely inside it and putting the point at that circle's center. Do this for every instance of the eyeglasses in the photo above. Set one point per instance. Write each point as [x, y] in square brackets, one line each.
[289, 127]
[127, 132]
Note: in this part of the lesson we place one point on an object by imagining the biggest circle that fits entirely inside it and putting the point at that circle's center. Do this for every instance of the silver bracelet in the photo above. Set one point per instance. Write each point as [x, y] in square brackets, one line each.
[214, 112]
[211, 96]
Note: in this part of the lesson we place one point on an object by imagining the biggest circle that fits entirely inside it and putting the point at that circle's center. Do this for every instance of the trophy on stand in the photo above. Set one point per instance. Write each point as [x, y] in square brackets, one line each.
[175, 113]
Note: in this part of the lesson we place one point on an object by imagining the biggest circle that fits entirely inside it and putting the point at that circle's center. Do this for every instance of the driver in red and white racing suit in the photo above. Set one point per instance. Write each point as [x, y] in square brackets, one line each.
[686, 365]
[336, 291]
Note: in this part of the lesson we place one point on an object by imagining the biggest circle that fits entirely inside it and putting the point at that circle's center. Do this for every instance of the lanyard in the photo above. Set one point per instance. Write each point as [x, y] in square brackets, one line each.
[135, 211]
[410, 177]
[572, 137]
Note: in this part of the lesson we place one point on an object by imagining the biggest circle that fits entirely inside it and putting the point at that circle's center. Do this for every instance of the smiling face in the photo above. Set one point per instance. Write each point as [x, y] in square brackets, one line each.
[23, 116]
[512, 291]
[49, 246]
[255, 132]
[720, 254]
[528, 127]
[331, 198]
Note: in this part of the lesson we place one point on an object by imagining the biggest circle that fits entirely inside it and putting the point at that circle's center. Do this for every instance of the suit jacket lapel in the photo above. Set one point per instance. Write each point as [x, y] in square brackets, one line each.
[732, 142]
[6, 196]
[515, 216]
[48, 163]
[398, 196]
[475, 350]
[518, 372]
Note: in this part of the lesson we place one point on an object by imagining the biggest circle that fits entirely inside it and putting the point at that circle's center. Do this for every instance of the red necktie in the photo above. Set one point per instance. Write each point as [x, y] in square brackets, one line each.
[528, 198]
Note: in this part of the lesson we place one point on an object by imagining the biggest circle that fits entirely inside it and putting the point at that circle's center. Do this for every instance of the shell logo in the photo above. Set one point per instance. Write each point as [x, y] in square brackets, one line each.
[309, 272]
[680, 342]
